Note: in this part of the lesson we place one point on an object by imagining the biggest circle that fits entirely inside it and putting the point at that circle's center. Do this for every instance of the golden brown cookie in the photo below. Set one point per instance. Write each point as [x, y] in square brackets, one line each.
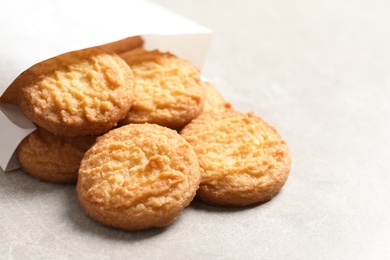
[84, 92]
[10, 95]
[52, 158]
[138, 176]
[168, 89]
[123, 45]
[214, 101]
[243, 159]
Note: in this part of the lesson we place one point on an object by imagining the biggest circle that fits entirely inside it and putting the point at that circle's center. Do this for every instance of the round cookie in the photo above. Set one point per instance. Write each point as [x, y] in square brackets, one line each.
[124, 45]
[84, 92]
[214, 101]
[243, 159]
[168, 89]
[10, 95]
[52, 158]
[138, 176]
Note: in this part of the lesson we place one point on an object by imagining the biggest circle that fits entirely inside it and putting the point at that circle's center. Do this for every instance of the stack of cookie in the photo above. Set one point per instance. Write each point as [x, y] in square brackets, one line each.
[141, 134]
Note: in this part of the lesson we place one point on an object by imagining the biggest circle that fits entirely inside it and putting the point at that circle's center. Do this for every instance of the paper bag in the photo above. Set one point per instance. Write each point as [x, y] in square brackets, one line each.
[32, 31]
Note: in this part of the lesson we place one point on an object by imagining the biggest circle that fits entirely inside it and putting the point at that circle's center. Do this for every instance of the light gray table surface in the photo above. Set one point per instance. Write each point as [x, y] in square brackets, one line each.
[316, 70]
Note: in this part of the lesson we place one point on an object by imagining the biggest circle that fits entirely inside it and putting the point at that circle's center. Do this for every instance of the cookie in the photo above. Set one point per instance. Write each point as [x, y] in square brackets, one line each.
[243, 159]
[138, 176]
[84, 92]
[10, 95]
[124, 45]
[214, 101]
[52, 158]
[168, 89]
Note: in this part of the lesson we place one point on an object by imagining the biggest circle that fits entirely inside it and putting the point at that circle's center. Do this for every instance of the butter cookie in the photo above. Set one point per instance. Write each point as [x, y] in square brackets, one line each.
[138, 176]
[214, 101]
[84, 92]
[10, 95]
[52, 158]
[168, 89]
[124, 45]
[243, 159]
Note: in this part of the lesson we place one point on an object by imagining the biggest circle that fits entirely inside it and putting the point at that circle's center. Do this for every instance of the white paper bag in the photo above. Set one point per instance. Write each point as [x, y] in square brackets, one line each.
[32, 31]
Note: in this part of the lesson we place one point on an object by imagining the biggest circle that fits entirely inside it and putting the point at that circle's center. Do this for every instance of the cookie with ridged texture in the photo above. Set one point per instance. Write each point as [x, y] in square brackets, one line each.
[138, 176]
[243, 159]
[84, 92]
[168, 89]
[214, 101]
[51, 157]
